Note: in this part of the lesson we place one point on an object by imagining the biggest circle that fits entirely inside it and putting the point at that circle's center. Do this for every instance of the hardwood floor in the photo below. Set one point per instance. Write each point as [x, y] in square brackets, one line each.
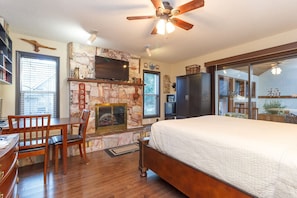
[104, 177]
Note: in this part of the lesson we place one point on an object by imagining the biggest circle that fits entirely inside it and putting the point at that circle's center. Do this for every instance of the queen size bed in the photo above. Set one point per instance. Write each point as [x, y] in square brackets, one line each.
[218, 156]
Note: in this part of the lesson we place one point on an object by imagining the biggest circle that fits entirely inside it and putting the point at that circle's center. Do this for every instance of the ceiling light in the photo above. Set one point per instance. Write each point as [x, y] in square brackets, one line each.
[164, 26]
[276, 70]
[161, 26]
[148, 51]
[92, 38]
[169, 27]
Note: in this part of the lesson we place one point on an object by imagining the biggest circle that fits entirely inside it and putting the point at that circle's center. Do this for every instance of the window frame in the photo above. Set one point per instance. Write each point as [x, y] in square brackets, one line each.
[260, 56]
[19, 55]
[158, 96]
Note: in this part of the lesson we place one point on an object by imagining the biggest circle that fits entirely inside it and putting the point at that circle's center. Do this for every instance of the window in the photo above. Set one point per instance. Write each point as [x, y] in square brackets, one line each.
[262, 91]
[151, 96]
[37, 84]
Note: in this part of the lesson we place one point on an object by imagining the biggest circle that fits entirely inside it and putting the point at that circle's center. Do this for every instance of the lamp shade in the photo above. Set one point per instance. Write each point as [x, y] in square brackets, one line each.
[161, 26]
[169, 27]
[276, 70]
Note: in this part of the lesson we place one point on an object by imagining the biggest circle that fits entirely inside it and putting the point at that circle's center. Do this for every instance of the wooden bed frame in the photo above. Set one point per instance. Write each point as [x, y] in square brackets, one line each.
[188, 180]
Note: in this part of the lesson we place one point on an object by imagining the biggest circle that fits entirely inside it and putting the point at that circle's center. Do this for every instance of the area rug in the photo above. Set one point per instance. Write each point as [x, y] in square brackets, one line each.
[122, 150]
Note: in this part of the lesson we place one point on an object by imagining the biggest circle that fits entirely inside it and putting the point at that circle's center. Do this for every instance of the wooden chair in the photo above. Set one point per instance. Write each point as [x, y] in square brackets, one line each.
[291, 118]
[73, 139]
[34, 136]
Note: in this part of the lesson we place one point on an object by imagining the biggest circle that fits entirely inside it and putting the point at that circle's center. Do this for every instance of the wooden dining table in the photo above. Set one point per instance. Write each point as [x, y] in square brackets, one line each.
[59, 124]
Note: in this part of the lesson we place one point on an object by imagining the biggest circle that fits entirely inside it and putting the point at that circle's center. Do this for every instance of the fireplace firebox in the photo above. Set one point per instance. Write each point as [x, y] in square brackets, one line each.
[111, 117]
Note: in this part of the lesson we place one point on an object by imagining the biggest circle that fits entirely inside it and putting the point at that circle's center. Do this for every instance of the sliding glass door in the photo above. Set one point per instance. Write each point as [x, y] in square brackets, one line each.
[263, 91]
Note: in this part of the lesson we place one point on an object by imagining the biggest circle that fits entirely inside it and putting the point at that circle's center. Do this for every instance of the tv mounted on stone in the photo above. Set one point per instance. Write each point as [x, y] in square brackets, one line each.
[111, 69]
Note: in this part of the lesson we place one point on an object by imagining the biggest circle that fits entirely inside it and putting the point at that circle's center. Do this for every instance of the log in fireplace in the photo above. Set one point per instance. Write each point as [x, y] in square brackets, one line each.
[111, 117]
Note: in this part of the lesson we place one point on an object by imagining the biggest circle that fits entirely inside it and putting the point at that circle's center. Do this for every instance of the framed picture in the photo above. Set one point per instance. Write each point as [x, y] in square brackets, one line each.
[171, 98]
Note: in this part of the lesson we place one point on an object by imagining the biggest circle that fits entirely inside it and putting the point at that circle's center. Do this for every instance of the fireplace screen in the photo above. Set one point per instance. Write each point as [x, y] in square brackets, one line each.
[111, 117]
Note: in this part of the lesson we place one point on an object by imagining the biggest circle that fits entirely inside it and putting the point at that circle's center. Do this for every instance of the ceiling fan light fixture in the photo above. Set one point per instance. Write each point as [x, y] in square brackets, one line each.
[165, 26]
[161, 26]
[166, 14]
[170, 27]
[276, 70]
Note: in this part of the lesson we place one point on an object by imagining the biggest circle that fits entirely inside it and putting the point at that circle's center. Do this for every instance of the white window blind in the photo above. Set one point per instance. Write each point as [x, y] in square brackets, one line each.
[151, 96]
[38, 85]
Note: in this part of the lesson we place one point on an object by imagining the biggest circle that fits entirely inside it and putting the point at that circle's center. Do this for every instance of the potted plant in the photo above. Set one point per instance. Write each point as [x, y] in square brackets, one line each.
[274, 107]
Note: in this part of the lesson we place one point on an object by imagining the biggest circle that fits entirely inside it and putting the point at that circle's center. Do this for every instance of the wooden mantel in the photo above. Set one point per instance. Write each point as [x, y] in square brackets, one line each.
[105, 81]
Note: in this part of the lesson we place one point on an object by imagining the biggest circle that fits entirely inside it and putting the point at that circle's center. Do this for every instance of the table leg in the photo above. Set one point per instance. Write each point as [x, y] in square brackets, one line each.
[64, 149]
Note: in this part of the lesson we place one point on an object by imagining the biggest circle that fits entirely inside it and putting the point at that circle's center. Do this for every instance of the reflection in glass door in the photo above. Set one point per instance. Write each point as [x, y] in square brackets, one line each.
[271, 95]
[233, 93]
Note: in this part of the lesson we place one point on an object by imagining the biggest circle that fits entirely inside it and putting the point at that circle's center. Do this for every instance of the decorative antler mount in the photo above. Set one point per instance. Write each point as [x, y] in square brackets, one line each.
[37, 45]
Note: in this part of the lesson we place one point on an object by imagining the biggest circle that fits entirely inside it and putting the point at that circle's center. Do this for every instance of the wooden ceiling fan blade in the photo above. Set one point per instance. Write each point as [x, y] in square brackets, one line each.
[158, 4]
[154, 31]
[182, 24]
[192, 5]
[140, 17]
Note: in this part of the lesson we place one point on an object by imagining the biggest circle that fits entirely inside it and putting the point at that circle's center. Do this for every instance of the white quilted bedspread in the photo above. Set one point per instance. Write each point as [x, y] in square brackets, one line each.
[259, 157]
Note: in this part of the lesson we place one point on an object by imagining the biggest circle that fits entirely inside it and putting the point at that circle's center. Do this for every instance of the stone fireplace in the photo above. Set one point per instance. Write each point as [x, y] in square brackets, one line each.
[86, 92]
[110, 118]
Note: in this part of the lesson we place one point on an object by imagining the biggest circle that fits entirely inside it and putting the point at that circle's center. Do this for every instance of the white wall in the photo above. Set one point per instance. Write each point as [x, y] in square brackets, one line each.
[7, 92]
[276, 40]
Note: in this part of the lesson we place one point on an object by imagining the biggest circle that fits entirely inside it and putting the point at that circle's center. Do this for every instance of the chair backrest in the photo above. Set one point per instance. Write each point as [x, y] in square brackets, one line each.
[291, 118]
[83, 126]
[33, 130]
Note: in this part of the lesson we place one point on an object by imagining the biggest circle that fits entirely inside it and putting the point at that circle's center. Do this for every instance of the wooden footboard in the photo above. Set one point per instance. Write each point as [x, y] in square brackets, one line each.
[188, 180]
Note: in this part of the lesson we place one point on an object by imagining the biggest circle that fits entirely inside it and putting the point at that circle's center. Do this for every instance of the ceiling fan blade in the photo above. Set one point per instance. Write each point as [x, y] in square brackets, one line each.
[154, 31]
[192, 5]
[182, 24]
[158, 4]
[140, 17]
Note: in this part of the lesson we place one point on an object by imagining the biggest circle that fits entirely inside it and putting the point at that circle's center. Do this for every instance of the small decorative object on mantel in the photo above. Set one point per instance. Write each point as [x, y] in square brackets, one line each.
[136, 94]
[76, 73]
[193, 69]
[37, 45]
[138, 80]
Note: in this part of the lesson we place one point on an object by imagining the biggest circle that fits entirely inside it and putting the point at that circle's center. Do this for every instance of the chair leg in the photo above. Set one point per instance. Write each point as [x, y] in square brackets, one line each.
[80, 151]
[85, 153]
[56, 155]
[45, 167]
[48, 156]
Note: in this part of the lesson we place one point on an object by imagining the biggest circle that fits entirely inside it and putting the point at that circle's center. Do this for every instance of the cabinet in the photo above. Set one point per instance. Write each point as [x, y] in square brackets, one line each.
[5, 57]
[9, 166]
[193, 95]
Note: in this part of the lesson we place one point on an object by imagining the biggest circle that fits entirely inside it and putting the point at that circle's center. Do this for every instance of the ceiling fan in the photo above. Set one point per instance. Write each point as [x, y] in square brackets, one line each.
[167, 14]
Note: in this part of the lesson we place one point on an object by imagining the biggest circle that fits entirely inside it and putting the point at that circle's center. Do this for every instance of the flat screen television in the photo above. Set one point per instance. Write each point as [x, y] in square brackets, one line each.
[111, 69]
